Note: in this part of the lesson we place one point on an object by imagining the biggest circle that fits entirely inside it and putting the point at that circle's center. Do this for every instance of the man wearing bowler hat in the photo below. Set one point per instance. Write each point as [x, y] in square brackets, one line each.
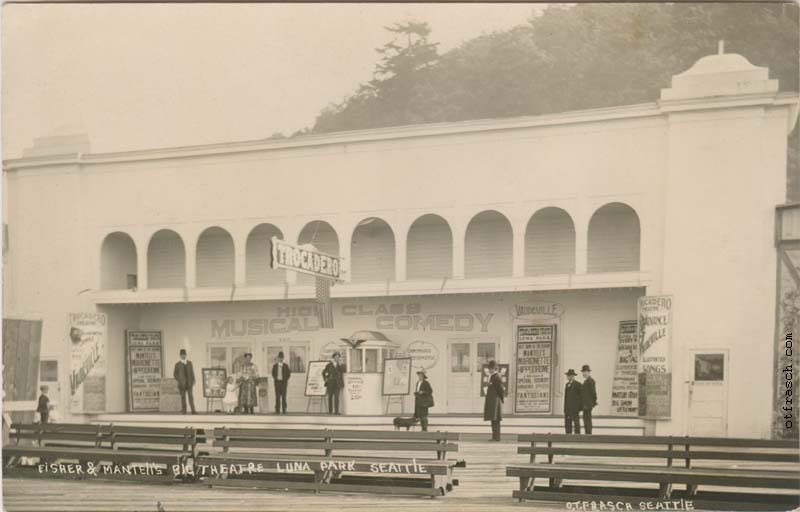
[423, 399]
[572, 403]
[588, 398]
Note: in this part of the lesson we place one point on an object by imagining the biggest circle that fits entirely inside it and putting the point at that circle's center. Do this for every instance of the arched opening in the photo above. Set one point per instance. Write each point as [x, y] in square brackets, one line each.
[215, 258]
[323, 237]
[372, 252]
[488, 246]
[429, 248]
[258, 257]
[118, 262]
[166, 260]
[614, 235]
[550, 243]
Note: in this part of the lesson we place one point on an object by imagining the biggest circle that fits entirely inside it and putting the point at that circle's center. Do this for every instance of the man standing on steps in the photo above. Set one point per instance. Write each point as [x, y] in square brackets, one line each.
[333, 374]
[572, 403]
[280, 376]
[588, 397]
[184, 374]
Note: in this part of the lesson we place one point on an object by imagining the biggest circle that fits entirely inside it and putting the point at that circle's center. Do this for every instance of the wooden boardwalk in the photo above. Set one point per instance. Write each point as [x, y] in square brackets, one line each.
[483, 486]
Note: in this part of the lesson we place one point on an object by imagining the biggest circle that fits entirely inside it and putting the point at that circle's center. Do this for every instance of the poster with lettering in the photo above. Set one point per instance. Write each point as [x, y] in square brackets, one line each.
[214, 382]
[534, 389]
[655, 352]
[424, 355]
[397, 376]
[502, 370]
[625, 387]
[145, 369]
[315, 382]
[87, 342]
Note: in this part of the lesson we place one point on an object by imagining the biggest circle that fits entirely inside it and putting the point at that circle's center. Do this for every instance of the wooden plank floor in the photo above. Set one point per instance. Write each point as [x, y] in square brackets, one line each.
[483, 485]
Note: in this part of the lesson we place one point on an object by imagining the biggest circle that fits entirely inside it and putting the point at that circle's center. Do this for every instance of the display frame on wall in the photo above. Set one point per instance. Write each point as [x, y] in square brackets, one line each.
[319, 367]
[393, 361]
[129, 406]
[553, 348]
[222, 376]
[504, 369]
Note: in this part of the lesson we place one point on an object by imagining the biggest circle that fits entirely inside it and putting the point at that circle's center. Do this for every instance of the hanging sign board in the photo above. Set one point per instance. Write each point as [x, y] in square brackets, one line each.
[655, 352]
[315, 382]
[625, 387]
[144, 369]
[306, 260]
[397, 376]
[535, 348]
[87, 342]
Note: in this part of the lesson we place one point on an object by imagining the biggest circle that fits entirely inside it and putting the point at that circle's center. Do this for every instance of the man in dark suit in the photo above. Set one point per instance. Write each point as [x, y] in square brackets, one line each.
[423, 399]
[280, 376]
[493, 404]
[572, 403]
[184, 374]
[588, 398]
[333, 374]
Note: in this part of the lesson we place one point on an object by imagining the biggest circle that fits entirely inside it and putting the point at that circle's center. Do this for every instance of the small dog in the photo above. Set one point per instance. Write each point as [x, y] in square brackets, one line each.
[405, 422]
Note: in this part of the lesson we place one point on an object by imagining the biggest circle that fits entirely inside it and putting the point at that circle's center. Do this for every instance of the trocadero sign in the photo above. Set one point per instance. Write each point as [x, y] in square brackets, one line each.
[305, 259]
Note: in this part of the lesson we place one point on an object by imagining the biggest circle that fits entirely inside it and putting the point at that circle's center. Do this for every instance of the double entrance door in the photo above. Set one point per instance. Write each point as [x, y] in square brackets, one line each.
[465, 359]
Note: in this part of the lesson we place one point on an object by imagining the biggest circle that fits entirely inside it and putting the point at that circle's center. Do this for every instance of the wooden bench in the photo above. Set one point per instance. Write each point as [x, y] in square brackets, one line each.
[692, 462]
[102, 451]
[388, 462]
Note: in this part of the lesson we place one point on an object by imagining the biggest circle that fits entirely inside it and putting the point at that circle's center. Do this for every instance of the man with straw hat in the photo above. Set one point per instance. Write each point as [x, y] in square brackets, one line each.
[423, 399]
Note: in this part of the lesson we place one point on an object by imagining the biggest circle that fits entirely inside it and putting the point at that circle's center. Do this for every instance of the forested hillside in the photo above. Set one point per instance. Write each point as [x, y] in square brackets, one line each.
[567, 58]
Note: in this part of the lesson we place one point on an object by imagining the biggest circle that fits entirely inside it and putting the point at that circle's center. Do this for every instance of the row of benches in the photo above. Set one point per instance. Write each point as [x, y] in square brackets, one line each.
[710, 471]
[575, 468]
[392, 462]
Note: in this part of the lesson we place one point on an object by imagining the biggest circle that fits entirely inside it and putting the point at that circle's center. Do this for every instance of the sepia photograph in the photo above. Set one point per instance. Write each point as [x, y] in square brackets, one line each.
[400, 256]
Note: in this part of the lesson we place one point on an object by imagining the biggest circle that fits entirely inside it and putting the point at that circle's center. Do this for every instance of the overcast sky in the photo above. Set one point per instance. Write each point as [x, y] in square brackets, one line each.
[141, 76]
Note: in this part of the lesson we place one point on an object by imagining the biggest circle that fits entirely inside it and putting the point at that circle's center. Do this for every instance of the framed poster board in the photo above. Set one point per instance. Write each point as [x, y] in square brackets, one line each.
[315, 383]
[502, 370]
[144, 369]
[397, 376]
[215, 381]
[535, 353]
[625, 387]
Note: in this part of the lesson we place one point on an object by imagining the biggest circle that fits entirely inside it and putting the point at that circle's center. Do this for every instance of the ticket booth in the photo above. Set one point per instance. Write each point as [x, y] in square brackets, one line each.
[363, 384]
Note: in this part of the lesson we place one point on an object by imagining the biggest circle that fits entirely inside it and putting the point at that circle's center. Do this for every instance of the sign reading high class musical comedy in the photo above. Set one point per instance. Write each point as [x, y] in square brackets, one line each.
[87, 341]
[625, 388]
[305, 260]
[145, 369]
[655, 368]
[534, 368]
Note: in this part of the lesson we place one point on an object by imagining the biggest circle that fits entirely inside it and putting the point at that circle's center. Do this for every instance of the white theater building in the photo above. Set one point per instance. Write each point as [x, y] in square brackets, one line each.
[445, 229]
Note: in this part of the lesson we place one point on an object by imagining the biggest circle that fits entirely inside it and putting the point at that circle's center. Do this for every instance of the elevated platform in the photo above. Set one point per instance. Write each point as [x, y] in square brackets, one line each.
[471, 424]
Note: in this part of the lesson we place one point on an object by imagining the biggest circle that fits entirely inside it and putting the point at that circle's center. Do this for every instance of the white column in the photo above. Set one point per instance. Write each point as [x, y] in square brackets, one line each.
[239, 258]
[142, 244]
[190, 246]
[345, 233]
[581, 244]
[400, 250]
[459, 230]
[518, 260]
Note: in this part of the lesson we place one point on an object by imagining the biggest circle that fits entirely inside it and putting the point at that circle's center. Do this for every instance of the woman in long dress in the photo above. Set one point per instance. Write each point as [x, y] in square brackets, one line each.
[248, 390]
